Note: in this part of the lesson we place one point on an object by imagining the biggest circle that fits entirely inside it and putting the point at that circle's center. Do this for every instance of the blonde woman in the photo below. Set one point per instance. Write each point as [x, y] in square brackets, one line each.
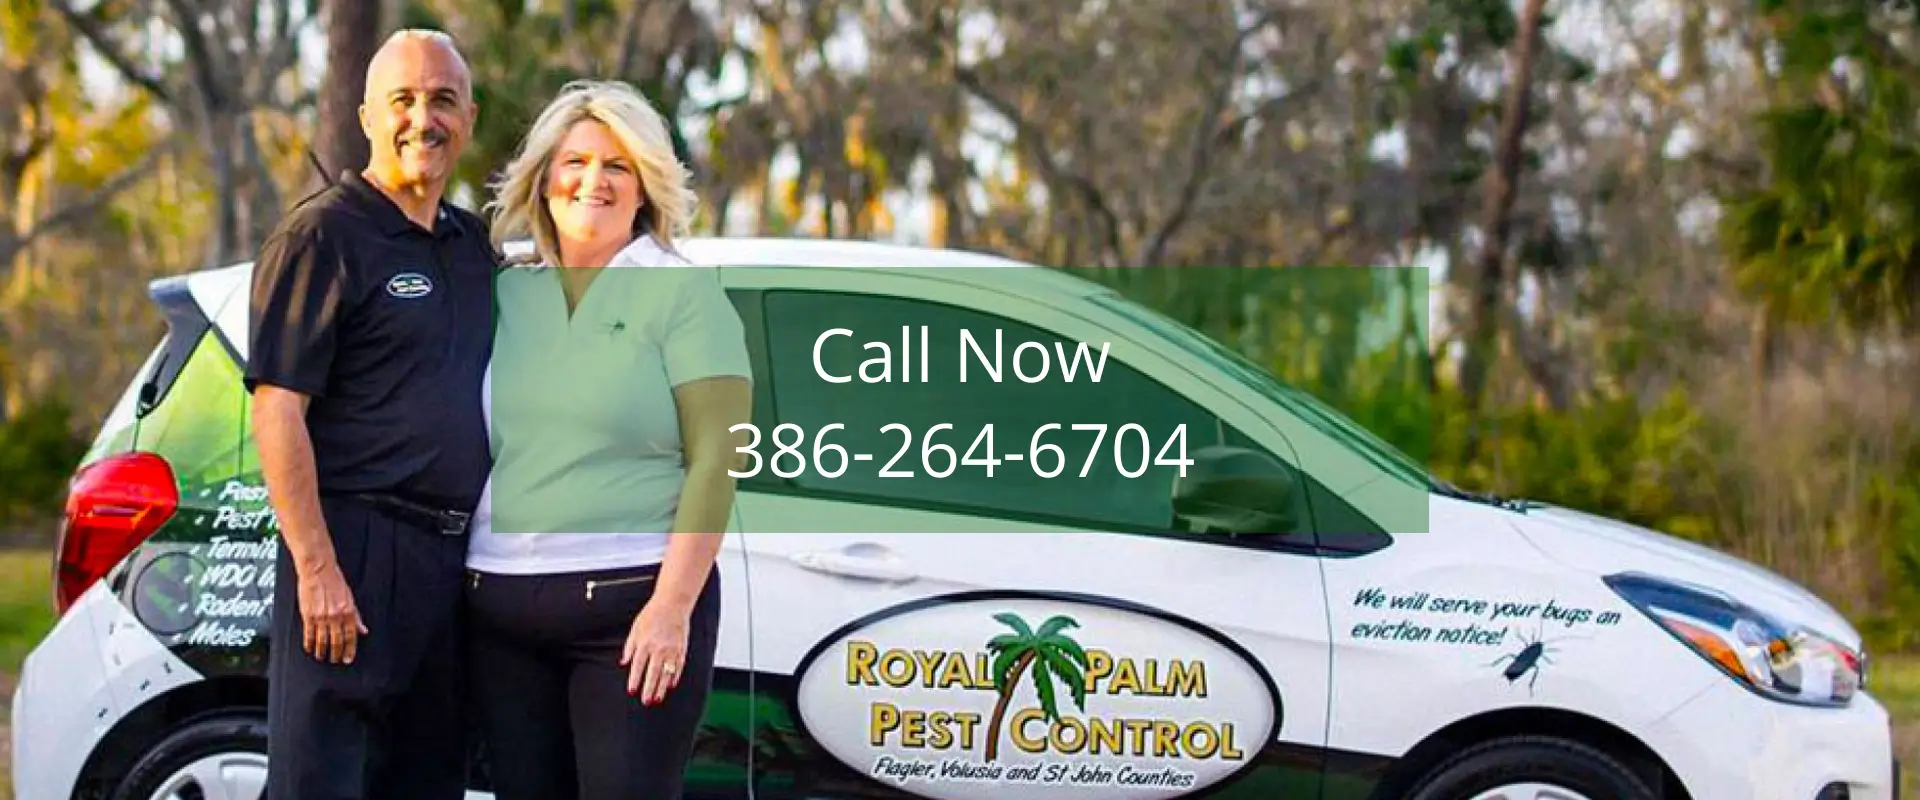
[617, 369]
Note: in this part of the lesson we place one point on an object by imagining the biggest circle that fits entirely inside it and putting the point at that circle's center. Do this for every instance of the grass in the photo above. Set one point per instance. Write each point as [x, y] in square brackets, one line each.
[26, 613]
[1895, 680]
[26, 604]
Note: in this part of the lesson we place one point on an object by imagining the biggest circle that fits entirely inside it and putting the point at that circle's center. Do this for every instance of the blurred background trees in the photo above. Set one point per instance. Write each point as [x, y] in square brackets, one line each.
[1668, 246]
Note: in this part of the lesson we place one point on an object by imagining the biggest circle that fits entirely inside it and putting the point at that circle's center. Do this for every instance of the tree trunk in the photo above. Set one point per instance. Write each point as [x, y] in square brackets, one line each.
[722, 206]
[263, 195]
[1000, 707]
[1489, 279]
[224, 127]
[353, 34]
[1764, 346]
[6, 373]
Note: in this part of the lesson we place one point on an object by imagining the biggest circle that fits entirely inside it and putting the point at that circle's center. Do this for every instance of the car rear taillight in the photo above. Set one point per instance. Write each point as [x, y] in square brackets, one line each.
[113, 505]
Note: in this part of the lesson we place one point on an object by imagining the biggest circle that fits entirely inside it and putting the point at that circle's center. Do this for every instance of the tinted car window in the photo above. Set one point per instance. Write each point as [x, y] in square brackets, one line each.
[1132, 493]
[201, 424]
[747, 303]
[1334, 522]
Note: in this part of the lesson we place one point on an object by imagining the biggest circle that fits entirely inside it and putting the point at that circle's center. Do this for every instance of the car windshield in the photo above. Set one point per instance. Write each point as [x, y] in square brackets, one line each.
[1309, 408]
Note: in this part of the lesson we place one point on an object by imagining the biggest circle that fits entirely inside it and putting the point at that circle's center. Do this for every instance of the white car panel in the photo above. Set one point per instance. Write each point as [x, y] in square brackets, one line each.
[1273, 607]
[223, 295]
[1472, 596]
[1728, 744]
[91, 670]
[1600, 546]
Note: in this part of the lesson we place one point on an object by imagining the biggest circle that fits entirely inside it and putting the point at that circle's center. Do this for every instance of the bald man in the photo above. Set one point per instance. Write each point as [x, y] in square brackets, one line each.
[372, 326]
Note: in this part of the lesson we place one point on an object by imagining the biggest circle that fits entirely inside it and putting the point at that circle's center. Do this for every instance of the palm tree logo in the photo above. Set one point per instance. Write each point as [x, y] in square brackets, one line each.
[1049, 653]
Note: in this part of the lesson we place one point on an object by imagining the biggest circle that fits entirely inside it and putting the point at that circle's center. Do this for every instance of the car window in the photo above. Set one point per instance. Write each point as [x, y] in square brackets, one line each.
[201, 426]
[1130, 493]
[1392, 461]
[747, 303]
[1334, 522]
[186, 324]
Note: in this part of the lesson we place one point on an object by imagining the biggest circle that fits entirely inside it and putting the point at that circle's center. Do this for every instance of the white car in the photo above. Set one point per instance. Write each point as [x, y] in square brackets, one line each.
[1053, 610]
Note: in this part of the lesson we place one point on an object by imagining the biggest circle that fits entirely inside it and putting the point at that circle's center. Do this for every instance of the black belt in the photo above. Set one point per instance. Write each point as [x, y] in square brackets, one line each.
[445, 522]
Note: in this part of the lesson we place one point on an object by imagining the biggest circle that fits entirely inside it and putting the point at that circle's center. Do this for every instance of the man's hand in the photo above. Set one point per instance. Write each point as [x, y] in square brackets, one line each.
[330, 622]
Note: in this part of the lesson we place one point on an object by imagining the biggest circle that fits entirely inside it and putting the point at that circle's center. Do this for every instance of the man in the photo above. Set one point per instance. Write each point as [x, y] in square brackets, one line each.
[372, 325]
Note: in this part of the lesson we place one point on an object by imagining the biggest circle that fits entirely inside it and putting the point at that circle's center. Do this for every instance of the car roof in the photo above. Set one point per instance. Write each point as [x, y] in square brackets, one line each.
[220, 291]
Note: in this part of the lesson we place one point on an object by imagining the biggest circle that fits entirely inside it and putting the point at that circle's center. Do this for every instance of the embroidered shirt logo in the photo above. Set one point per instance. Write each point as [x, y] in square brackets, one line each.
[409, 285]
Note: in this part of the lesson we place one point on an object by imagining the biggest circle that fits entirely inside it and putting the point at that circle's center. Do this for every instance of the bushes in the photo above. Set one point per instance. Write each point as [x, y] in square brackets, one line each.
[38, 452]
[1827, 498]
[1806, 496]
[1893, 505]
[1653, 467]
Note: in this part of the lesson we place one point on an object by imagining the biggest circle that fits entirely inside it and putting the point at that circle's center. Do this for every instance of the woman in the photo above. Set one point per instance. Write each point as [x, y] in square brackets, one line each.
[617, 370]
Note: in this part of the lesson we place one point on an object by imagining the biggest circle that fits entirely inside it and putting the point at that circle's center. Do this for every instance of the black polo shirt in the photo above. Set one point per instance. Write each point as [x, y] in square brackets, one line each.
[388, 327]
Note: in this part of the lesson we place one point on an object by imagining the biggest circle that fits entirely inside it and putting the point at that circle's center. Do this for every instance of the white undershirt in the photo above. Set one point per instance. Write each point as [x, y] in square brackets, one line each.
[591, 453]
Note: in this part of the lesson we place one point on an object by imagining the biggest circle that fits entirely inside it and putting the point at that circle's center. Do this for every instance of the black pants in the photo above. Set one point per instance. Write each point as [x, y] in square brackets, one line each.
[551, 692]
[392, 723]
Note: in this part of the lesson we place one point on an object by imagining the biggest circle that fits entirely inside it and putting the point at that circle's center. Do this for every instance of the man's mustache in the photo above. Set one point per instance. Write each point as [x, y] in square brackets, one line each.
[431, 137]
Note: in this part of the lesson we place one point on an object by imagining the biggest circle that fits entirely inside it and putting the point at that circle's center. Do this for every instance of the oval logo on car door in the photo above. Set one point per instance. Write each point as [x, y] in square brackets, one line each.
[1034, 695]
[408, 285]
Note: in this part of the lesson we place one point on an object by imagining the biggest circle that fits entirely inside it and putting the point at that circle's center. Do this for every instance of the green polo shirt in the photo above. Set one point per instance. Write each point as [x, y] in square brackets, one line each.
[588, 457]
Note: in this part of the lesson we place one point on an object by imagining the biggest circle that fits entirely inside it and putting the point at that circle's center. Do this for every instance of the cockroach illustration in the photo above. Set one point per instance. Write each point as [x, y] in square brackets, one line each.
[1526, 661]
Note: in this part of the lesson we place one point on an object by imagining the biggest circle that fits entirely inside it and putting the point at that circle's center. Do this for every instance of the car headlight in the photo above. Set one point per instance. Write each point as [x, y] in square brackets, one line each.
[1788, 663]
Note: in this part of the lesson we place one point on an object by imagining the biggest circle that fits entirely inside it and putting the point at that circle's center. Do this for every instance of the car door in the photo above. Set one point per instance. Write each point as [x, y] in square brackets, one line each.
[946, 633]
[722, 747]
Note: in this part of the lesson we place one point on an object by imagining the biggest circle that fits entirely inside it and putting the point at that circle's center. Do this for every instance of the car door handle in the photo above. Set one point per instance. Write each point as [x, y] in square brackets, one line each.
[853, 566]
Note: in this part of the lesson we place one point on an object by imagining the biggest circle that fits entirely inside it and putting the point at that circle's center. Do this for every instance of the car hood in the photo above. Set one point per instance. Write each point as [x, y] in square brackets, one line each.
[1603, 545]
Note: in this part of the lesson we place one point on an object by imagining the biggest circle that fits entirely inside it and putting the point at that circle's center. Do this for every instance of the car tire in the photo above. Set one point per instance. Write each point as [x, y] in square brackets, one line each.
[231, 748]
[1531, 760]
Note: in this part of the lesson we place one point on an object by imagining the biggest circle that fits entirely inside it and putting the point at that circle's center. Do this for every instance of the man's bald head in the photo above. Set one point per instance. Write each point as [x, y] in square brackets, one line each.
[417, 111]
[405, 48]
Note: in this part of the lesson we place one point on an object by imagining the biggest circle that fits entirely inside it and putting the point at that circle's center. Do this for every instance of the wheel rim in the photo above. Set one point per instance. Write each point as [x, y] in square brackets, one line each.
[221, 776]
[1529, 791]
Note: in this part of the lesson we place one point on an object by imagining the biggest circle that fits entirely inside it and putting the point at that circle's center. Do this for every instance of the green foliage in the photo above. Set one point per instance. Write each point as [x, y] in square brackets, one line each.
[26, 607]
[1651, 466]
[38, 452]
[1834, 234]
[1893, 501]
[516, 74]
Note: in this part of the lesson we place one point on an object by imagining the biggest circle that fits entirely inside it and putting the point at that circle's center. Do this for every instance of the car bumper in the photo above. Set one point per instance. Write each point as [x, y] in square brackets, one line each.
[1730, 744]
[61, 708]
[95, 666]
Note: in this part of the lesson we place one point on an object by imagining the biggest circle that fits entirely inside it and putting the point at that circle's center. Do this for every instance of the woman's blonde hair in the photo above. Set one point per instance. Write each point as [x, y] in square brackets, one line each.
[668, 202]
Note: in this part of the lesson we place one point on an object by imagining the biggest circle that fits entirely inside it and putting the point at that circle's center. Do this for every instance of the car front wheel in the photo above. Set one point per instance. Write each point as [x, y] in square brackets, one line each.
[224, 757]
[1532, 768]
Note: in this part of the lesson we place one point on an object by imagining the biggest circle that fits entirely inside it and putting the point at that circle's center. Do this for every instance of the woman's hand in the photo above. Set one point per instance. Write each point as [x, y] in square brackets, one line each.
[656, 651]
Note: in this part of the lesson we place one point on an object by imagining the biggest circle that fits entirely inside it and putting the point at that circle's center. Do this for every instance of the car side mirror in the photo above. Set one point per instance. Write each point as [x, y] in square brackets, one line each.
[1237, 491]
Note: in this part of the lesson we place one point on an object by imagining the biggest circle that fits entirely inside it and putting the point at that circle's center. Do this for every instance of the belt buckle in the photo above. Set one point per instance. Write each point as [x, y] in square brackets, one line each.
[454, 523]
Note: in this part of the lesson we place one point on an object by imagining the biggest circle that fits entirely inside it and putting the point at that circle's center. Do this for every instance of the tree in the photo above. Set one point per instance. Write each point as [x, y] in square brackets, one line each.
[235, 53]
[63, 160]
[521, 56]
[1489, 274]
[353, 34]
[1049, 654]
[1833, 234]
